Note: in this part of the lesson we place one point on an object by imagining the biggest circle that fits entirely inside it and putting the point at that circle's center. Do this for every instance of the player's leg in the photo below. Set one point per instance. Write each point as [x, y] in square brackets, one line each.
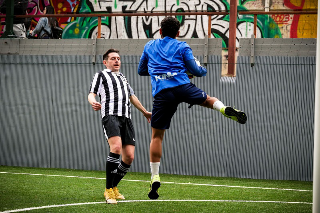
[126, 161]
[127, 153]
[112, 133]
[191, 94]
[156, 144]
[155, 157]
[123, 168]
[111, 167]
[164, 107]
[229, 112]
[213, 103]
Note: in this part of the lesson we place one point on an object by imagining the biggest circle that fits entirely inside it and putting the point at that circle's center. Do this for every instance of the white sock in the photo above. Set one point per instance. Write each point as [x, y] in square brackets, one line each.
[154, 166]
[218, 105]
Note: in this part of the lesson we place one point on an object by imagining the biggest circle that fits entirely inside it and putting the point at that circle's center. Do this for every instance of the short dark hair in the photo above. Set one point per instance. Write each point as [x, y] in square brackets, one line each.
[50, 9]
[105, 56]
[170, 27]
[52, 20]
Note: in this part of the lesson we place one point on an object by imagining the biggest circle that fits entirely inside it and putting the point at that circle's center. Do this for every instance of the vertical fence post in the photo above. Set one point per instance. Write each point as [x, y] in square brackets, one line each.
[232, 38]
[209, 26]
[316, 155]
[99, 27]
[255, 25]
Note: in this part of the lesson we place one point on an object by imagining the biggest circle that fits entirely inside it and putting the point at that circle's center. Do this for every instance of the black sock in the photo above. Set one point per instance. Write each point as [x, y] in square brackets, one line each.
[111, 169]
[122, 170]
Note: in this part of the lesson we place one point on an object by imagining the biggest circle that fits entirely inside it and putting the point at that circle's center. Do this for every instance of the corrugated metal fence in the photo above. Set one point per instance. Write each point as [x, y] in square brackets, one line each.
[46, 121]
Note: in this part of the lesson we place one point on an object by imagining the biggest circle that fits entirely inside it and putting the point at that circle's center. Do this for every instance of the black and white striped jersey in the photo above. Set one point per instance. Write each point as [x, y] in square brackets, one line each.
[114, 92]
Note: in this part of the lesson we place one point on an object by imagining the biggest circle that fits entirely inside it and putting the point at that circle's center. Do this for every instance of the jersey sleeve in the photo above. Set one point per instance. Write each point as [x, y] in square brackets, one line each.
[143, 64]
[131, 92]
[187, 53]
[195, 69]
[191, 63]
[95, 84]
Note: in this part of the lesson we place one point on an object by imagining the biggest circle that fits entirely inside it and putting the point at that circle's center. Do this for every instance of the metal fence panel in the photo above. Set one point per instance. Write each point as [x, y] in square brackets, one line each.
[46, 120]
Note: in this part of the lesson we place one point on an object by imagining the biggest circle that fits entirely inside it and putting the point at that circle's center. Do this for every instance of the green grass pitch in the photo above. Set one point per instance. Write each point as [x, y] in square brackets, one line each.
[61, 190]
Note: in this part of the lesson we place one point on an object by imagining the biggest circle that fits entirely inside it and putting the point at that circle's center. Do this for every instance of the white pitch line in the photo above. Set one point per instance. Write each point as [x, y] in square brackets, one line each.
[229, 201]
[67, 176]
[52, 206]
[133, 201]
[194, 184]
[244, 187]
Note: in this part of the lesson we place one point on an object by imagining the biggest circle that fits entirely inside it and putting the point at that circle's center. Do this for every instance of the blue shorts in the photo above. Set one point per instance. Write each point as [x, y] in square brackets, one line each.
[166, 102]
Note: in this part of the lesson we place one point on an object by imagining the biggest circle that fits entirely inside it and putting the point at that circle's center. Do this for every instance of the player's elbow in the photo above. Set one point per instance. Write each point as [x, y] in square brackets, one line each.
[195, 69]
[143, 68]
[202, 71]
[91, 97]
[143, 72]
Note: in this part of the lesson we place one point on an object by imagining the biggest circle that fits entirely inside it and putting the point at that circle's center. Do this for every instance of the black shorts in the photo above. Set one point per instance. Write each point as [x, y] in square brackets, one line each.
[165, 103]
[119, 126]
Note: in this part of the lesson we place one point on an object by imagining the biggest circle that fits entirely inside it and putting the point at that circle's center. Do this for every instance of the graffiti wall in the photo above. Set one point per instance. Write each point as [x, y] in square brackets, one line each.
[268, 26]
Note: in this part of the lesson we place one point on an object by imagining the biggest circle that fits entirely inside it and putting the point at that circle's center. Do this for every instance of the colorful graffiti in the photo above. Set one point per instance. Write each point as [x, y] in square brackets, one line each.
[303, 25]
[192, 26]
[148, 26]
[36, 7]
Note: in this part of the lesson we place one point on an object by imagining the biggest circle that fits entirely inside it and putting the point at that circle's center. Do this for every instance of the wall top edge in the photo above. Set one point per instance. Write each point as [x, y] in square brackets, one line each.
[95, 46]
[303, 47]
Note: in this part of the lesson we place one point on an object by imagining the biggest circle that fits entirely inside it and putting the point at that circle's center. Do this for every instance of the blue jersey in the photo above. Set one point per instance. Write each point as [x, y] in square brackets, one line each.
[166, 60]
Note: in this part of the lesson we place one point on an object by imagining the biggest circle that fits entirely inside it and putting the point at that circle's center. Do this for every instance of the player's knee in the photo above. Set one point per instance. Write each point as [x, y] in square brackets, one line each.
[157, 135]
[129, 159]
[115, 148]
[206, 102]
[209, 101]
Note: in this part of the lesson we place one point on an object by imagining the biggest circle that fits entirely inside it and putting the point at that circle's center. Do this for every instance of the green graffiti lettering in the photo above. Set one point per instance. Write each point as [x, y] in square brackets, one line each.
[82, 27]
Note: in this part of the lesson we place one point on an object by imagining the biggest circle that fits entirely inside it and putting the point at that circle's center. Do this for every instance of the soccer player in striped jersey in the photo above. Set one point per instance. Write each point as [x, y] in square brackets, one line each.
[115, 95]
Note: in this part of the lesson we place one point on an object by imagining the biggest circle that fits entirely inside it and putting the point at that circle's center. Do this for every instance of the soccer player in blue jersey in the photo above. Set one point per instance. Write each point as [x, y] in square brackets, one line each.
[167, 60]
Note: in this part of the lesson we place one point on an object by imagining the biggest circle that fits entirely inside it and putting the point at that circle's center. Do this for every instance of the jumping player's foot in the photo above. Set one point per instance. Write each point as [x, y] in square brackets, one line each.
[154, 186]
[234, 114]
[110, 196]
[117, 193]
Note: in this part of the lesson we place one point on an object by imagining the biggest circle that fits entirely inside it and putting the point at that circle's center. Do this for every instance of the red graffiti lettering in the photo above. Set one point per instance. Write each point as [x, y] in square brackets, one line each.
[281, 18]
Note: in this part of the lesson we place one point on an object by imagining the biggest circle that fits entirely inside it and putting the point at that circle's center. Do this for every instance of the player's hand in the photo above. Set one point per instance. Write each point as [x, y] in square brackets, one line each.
[96, 106]
[148, 116]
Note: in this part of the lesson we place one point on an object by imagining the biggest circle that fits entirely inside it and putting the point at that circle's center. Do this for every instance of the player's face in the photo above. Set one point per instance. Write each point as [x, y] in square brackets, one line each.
[113, 62]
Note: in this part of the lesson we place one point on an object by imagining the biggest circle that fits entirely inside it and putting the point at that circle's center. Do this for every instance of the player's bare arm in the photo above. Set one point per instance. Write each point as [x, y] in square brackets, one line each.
[96, 106]
[135, 102]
